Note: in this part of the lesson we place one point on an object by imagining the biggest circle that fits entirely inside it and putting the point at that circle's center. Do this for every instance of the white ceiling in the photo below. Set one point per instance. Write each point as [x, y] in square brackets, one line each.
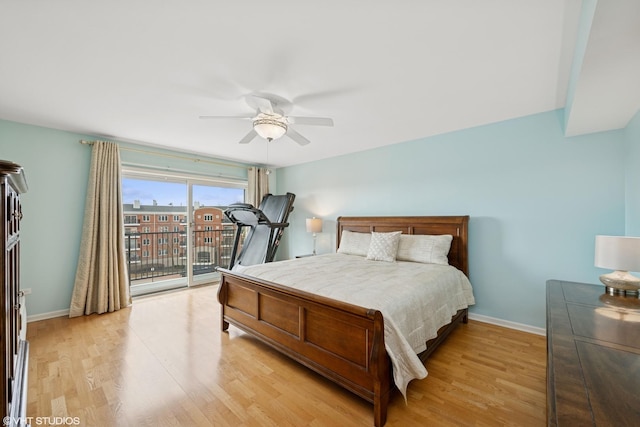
[386, 72]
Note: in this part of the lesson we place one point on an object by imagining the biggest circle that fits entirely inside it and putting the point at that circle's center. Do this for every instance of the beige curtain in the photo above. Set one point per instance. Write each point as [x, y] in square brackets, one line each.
[101, 278]
[258, 185]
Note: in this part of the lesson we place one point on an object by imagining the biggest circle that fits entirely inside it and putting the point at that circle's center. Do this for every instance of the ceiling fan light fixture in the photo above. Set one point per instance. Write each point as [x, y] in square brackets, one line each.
[269, 129]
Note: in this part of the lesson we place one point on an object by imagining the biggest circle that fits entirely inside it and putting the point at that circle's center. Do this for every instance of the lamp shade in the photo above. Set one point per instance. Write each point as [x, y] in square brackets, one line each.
[618, 253]
[269, 129]
[314, 225]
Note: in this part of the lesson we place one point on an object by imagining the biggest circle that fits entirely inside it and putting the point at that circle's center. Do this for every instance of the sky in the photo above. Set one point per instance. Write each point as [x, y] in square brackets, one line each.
[172, 193]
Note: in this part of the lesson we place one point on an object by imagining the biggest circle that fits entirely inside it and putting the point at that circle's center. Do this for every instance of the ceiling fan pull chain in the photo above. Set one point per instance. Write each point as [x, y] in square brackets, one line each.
[268, 171]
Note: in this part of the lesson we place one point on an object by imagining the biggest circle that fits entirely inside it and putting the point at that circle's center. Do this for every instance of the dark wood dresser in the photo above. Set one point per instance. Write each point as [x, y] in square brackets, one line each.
[593, 356]
[14, 352]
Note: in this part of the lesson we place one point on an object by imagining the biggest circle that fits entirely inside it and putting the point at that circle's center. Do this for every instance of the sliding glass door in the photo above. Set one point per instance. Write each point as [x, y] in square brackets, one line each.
[175, 231]
[211, 234]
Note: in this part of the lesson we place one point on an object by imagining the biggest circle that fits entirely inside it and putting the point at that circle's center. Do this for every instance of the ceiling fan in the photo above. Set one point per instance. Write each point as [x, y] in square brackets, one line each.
[271, 121]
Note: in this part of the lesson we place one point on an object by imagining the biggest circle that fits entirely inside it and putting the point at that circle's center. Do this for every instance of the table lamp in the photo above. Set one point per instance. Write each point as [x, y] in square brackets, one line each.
[314, 225]
[621, 254]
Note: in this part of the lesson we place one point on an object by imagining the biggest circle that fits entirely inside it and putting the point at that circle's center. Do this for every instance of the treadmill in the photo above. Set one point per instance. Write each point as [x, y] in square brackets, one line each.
[265, 227]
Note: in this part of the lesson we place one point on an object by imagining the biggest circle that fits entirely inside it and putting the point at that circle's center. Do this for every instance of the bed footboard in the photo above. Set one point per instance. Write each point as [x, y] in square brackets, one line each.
[343, 342]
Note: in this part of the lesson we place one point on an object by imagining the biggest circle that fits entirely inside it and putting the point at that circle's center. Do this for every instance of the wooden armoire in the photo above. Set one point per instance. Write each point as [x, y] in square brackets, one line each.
[14, 351]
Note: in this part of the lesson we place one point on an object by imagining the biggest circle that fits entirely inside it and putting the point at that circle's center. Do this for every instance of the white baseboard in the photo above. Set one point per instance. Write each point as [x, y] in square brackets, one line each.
[508, 324]
[49, 315]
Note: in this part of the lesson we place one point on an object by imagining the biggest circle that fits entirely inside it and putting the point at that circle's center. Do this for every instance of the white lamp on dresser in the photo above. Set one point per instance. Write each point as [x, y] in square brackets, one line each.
[622, 254]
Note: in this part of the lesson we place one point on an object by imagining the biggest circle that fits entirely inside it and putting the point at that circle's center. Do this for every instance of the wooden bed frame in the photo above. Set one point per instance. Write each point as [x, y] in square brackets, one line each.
[343, 342]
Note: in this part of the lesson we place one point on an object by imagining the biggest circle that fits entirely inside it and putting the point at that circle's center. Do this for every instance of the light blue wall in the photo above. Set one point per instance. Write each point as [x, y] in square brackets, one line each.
[536, 201]
[632, 168]
[57, 167]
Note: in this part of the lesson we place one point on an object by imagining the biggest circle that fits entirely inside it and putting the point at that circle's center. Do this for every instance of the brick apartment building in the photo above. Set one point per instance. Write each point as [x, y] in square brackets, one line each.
[156, 239]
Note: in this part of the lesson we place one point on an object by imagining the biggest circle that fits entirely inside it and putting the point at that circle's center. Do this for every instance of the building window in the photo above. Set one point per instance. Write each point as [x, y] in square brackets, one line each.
[176, 228]
[130, 219]
[208, 228]
[146, 218]
[176, 217]
[175, 251]
[162, 252]
[145, 242]
[176, 239]
[163, 241]
[146, 229]
[163, 229]
[145, 254]
[208, 217]
[163, 218]
[207, 240]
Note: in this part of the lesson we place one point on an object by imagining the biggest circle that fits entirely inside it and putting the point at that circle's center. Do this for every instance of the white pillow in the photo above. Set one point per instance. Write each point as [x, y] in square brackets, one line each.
[352, 243]
[424, 248]
[384, 246]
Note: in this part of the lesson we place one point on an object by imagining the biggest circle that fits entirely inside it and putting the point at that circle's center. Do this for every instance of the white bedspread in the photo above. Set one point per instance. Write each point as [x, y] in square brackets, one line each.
[415, 299]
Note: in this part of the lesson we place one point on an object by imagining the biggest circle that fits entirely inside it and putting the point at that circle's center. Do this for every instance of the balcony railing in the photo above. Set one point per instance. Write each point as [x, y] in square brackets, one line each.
[162, 255]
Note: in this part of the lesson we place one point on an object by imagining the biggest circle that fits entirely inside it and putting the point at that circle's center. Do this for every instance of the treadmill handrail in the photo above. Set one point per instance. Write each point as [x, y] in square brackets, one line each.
[262, 218]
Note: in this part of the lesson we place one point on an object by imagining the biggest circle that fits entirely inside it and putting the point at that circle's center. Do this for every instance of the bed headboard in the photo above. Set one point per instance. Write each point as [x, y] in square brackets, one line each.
[457, 226]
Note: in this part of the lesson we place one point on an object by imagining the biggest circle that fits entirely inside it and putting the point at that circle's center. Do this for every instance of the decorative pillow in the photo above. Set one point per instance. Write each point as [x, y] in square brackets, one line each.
[352, 243]
[384, 246]
[426, 249]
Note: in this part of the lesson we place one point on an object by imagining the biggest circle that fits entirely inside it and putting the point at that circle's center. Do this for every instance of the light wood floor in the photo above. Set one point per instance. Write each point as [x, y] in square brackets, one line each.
[164, 362]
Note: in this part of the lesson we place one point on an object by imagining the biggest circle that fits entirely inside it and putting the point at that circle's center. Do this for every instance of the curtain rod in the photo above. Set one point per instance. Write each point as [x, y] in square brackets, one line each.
[173, 156]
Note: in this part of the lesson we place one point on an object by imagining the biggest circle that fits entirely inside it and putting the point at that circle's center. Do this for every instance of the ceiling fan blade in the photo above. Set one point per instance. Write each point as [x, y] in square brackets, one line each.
[248, 137]
[317, 121]
[297, 137]
[319, 96]
[264, 104]
[227, 117]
